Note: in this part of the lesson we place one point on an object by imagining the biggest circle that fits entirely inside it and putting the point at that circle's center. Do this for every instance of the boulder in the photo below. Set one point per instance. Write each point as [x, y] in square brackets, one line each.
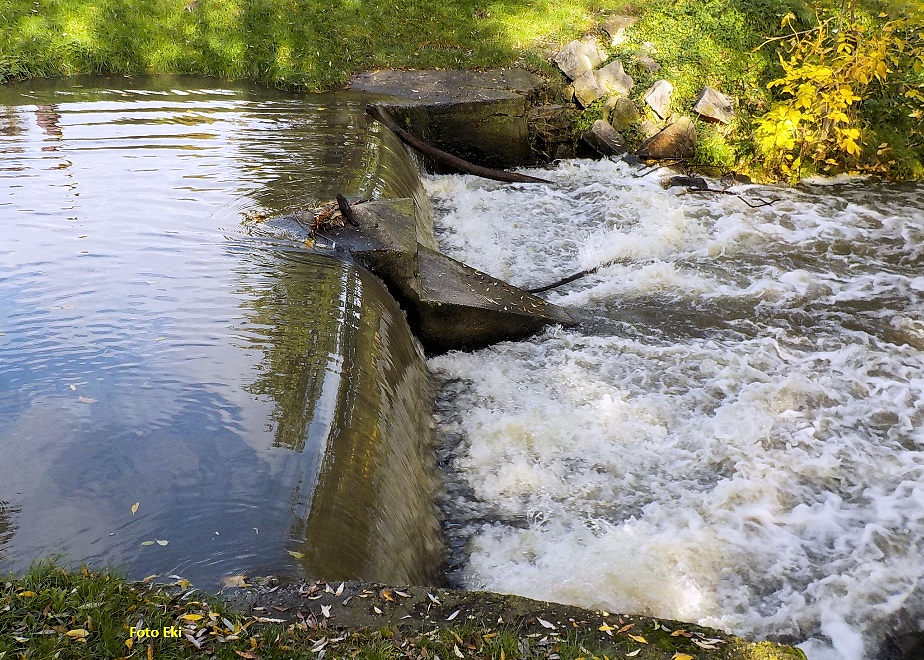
[677, 141]
[612, 79]
[579, 57]
[649, 128]
[604, 139]
[647, 62]
[623, 113]
[658, 98]
[587, 89]
[713, 104]
[615, 27]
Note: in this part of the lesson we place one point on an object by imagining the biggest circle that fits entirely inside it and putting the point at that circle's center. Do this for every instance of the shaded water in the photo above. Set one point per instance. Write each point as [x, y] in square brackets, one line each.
[253, 397]
[732, 435]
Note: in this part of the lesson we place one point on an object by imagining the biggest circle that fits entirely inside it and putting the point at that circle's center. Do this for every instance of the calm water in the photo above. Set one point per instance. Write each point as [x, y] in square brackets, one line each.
[254, 398]
[735, 432]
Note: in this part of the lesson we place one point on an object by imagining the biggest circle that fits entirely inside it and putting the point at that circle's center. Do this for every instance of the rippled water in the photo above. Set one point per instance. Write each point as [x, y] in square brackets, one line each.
[733, 433]
[253, 397]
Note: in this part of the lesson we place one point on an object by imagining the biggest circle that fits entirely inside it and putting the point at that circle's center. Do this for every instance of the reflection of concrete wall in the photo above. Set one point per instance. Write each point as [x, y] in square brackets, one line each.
[353, 399]
[373, 504]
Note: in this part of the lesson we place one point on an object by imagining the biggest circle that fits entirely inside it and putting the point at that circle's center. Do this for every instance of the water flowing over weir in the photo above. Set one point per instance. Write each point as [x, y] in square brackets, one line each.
[733, 433]
[266, 406]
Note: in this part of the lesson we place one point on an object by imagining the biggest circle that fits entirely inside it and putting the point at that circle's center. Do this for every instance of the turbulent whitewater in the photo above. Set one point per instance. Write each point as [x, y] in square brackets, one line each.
[732, 434]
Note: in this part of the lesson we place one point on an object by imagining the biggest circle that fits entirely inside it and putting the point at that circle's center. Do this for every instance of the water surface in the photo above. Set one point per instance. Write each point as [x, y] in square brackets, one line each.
[255, 399]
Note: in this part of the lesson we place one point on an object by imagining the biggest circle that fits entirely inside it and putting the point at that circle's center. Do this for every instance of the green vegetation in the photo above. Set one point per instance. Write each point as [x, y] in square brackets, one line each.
[51, 612]
[738, 47]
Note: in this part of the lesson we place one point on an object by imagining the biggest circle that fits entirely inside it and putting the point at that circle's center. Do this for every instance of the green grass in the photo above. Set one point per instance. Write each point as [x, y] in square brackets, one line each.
[302, 44]
[54, 613]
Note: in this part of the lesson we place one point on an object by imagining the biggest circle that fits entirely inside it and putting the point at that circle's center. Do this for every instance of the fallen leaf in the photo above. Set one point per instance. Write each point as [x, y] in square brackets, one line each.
[681, 656]
[387, 595]
[607, 629]
[325, 610]
[26, 594]
[135, 507]
[86, 399]
[130, 642]
[77, 633]
[150, 577]
[638, 638]
[546, 624]
[339, 590]
[452, 616]
[679, 632]
[234, 581]
[297, 555]
[455, 649]
[624, 628]
[247, 654]
[191, 617]
[632, 654]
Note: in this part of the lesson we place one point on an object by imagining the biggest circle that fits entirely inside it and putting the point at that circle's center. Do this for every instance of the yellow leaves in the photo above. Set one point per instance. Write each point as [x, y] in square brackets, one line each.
[135, 507]
[78, 634]
[191, 617]
[681, 656]
[130, 642]
[296, 554]
[27, 594]
[638, 638]
[235, 581]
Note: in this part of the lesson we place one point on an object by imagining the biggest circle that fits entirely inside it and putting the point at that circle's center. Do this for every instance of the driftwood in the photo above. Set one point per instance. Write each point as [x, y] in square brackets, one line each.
[460, 165]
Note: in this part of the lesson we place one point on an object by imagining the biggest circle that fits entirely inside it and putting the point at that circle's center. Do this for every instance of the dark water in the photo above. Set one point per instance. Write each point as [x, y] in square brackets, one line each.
[253, 397]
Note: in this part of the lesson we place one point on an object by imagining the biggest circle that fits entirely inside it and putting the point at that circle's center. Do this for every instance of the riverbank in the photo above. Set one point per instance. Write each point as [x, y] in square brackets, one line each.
[315, 46]
[85, 614]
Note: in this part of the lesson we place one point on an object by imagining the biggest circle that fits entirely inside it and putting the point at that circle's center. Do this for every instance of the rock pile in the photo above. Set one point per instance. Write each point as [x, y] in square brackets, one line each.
[665, 133]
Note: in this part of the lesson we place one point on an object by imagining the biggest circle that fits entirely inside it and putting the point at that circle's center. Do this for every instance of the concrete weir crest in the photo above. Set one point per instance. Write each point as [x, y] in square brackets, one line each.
[450, 306]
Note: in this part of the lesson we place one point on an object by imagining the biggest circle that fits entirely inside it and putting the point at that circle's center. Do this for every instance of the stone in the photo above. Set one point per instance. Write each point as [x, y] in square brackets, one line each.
[579, 57]
[649, 128]
[658, 98]
[615, 28]
[624, 114]
[713, 104]
[613, 79]
[647, 62]
[587, 89]
[604, 139]
[677, 141]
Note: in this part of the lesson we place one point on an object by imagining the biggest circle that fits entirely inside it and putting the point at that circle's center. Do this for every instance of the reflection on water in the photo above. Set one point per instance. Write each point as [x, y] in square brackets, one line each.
[252, 397]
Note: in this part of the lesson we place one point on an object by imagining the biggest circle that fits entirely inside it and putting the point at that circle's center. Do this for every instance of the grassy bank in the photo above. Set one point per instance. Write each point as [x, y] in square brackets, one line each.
[310, 44]
[81, 614]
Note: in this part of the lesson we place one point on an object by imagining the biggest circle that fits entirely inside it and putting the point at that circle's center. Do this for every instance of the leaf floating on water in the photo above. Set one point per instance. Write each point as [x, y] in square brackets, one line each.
[162, 542]
[147, 543]
[159, 338]
[234, 581]
[452, 616]
[297, 555]
[135, 507]
[86, 399]
[150, 577]
[638, 638]
[546, 624]
[73, 388]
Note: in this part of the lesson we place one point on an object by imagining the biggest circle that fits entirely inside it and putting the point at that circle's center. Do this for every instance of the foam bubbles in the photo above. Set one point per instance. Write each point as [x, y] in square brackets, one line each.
[733, 433]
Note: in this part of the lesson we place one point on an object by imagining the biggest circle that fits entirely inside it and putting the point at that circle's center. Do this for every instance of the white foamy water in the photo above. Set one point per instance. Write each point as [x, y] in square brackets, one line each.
[733, 433]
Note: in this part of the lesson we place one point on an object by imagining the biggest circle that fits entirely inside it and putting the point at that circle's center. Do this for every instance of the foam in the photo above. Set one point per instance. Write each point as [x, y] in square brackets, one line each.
[767, 482]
